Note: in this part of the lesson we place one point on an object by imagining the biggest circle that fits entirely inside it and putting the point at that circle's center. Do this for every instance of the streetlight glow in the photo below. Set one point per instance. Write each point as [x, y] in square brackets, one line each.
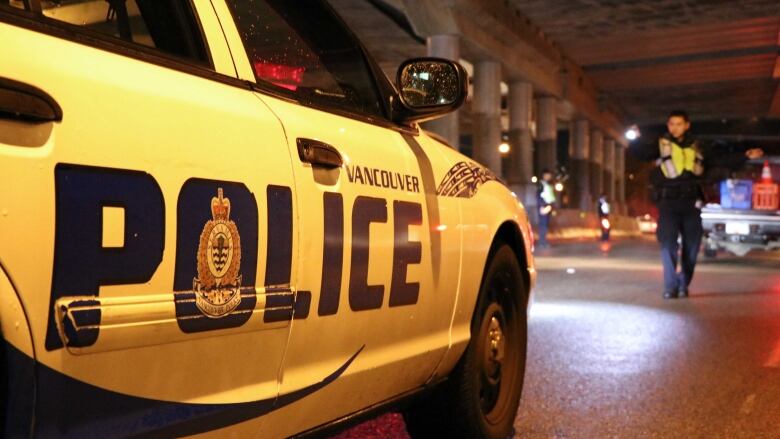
[632, 133]
[503, 148]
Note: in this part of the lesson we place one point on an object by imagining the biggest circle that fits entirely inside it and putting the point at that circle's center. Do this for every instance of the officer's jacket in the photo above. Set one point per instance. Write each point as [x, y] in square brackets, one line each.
[702, 157]
[545, 193]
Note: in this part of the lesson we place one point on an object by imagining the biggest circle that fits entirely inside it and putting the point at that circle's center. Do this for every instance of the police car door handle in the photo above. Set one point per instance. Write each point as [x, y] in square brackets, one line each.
[319, 153]
[25, 103]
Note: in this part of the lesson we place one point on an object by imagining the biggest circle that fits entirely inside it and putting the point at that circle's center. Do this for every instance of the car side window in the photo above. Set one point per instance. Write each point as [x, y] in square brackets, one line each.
[169, 26]
[300, 49]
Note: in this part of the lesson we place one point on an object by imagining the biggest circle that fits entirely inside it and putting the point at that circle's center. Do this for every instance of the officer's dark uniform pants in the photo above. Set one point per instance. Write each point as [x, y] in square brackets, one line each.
[684, 222]
[544, 226]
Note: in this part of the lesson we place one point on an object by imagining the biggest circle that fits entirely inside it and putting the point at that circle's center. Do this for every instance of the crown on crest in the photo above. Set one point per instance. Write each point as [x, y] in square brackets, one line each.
[220, 206]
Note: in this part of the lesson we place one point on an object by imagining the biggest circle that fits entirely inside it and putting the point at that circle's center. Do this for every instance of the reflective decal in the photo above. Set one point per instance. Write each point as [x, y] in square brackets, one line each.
[365, 211]
[81, 263]
[431, 204]
[70, 408]
[216, 255]
[405, 252]
[18, 392]
[464, 179]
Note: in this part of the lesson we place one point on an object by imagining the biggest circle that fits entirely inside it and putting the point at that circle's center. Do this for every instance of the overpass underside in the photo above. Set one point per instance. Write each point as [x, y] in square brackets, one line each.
[559, 81]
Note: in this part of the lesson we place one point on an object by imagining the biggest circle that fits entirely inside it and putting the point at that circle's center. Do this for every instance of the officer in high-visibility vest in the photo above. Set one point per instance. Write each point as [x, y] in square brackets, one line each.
[546, 200]
[681, 162]
[603, 211]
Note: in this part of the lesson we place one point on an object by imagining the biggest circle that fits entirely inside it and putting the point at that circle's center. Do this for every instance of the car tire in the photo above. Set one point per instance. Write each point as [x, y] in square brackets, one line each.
[481, 396]
[710, 252]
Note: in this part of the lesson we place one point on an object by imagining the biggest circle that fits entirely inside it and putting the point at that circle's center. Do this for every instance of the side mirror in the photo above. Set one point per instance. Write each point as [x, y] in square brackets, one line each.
[429, 88]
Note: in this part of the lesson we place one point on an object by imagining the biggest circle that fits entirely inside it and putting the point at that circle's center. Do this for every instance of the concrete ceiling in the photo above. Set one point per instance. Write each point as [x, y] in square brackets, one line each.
[716, 58]
[389, 41]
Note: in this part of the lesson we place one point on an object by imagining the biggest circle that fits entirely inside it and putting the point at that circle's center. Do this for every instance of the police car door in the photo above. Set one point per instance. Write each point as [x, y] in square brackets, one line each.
[137, 177]
[365, 304]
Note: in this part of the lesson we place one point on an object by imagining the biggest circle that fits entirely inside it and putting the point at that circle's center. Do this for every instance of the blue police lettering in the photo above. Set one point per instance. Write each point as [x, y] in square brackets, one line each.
[82, 265]
[405, 252]
[365, 211]
[332, 252]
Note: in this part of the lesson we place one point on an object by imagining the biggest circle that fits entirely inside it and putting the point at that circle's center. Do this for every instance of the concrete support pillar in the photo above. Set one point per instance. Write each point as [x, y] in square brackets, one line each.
[486, 107]
[609, 169]
[579, 186]
[447, 47]
[546, 135]
[620, 177]
[521, 154]
[596, 164]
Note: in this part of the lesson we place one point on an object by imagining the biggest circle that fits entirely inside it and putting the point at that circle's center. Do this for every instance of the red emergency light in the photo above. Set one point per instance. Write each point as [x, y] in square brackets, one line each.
[288, 77]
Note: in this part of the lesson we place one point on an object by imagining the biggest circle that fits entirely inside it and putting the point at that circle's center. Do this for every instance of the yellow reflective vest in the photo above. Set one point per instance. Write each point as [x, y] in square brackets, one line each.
[547, 193]
[676, 159]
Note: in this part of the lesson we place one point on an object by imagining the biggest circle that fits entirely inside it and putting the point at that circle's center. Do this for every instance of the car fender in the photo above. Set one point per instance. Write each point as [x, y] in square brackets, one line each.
[491, 212]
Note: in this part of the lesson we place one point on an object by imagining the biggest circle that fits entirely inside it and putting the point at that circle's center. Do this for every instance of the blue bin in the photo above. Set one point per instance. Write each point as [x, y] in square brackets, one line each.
[736, 194]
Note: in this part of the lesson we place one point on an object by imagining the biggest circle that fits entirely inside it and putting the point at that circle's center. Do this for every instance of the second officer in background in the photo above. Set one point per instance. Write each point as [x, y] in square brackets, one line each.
[546, 201]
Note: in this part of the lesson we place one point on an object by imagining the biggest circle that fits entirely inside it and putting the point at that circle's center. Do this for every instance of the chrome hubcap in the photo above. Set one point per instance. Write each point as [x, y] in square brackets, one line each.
[496, 340]
[496, 346]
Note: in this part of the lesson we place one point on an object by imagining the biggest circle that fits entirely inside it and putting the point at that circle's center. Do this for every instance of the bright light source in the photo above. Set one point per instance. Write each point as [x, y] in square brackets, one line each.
[559, 187]
[441, 227]
[632, 133]
[534, 179]
[503, 148]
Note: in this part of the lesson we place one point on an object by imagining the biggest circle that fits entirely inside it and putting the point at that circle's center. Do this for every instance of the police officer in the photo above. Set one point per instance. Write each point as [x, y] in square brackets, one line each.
[680, 164]
[545, 200]
[603, 211]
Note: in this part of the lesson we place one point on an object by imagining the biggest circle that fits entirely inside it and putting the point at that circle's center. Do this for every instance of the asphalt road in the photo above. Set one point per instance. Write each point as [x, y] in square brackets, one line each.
[608, 357]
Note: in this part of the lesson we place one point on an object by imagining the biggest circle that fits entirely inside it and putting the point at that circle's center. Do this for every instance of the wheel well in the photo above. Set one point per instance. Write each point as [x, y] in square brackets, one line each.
[509, 234]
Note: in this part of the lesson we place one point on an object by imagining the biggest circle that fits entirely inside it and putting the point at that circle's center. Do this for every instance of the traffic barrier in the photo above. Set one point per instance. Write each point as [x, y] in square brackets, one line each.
[765, 194]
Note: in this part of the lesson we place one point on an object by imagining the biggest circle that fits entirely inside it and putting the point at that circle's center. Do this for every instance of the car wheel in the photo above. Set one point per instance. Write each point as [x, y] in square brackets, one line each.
[481, 396]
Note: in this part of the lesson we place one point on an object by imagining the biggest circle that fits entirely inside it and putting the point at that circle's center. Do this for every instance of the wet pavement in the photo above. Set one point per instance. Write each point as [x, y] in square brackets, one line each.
[609, 357]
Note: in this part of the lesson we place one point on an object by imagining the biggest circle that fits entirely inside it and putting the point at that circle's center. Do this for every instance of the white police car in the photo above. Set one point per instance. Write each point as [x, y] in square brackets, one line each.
[217, 216]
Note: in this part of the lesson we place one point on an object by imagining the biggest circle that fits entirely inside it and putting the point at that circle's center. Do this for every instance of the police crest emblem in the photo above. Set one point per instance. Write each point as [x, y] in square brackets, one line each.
[218, 285]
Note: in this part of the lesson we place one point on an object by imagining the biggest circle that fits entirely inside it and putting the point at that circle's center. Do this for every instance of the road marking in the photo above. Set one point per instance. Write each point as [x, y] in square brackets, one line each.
[774, 357]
